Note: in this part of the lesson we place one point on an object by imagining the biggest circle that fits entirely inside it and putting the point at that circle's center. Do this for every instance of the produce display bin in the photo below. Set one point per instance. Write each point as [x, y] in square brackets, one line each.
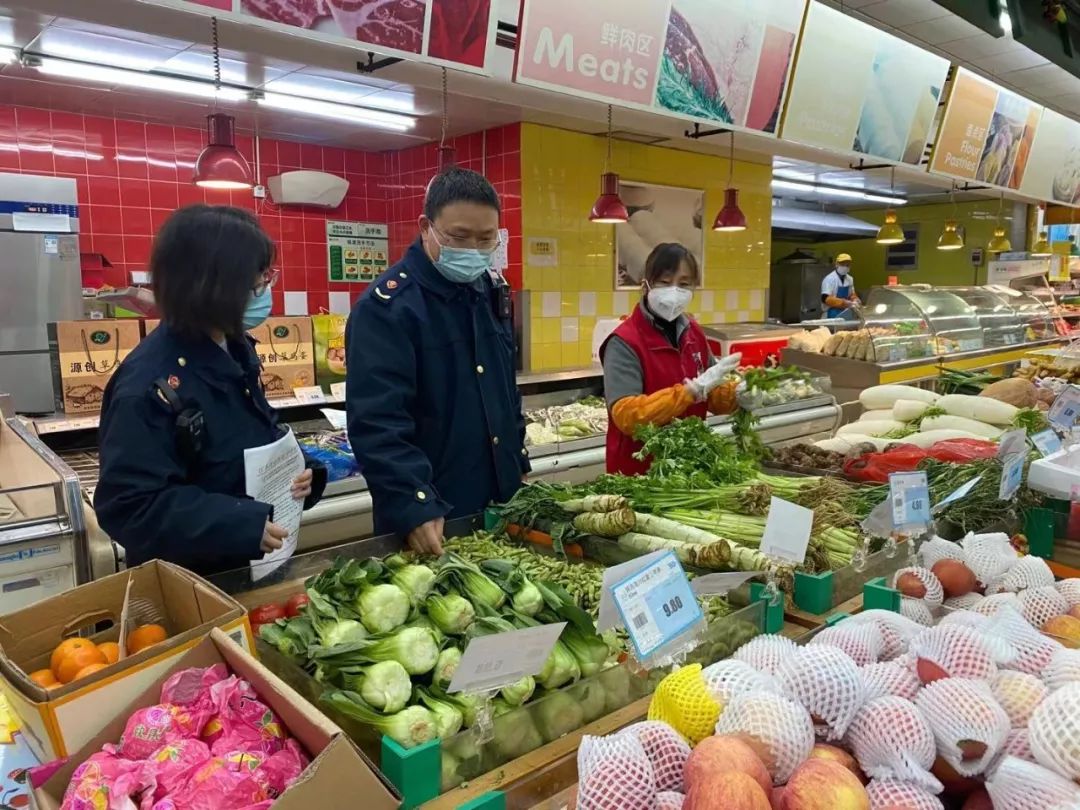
[821, 593]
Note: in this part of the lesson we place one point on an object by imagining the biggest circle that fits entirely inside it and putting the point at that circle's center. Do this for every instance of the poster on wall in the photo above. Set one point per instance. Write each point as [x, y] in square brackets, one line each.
[986, 133]
[1053, 171]
[356, 251]
[714, 61]
[454, 33]
[885, 105]
[657, 214]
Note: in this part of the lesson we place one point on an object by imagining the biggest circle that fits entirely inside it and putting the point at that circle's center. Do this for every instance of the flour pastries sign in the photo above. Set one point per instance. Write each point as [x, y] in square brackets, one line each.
[714, 61]
[455, 33]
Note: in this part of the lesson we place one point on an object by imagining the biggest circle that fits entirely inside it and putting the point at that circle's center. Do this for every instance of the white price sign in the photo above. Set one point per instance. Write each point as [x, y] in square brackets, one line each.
[1065, 409]
[720, 584]
[607, 615]
[958, 493]
[310, 395]
[787, 531]
[1012, 441]
[1047, 442]
[337, 391]
[491, 662]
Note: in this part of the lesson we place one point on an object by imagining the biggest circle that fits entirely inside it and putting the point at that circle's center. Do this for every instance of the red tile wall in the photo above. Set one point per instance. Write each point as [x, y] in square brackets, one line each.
[131, 175]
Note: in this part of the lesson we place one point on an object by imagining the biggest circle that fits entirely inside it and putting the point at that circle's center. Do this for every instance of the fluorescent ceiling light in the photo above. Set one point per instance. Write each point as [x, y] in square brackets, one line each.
[831, 191]
[7, 55]
[342, 92]
[360, 116]
[137, 79]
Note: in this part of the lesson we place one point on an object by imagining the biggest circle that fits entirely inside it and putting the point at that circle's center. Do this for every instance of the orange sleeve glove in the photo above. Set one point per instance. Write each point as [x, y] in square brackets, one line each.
[657, 408]
[722, 398]
[833, 302]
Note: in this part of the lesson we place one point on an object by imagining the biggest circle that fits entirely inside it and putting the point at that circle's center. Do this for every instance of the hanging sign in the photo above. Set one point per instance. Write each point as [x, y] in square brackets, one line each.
[1063, 412]
[957, 493]
[986, 133]
[452, 33]
[885, 105]
[656, 605]
[787, 531]
[1012, 474]
[491, 662]
[714, 61]
[1053, 172]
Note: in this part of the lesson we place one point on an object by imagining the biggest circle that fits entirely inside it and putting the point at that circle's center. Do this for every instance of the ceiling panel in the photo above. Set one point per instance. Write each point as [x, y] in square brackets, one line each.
[941, 29]
[899, 13]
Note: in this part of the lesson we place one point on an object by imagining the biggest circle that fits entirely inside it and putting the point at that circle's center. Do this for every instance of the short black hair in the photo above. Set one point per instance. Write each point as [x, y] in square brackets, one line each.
[205, 262]
[459, 185]
[666, 258]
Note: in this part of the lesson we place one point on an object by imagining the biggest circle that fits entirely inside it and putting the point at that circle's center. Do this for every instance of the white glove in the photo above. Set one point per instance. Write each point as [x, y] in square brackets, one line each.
[702, 385]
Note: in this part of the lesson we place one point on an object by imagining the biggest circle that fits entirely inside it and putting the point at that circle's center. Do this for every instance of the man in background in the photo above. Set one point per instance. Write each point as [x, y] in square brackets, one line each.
[838, 290]
[434, 412]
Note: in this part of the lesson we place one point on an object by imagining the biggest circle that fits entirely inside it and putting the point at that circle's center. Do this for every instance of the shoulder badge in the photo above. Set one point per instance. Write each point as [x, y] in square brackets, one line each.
[390, 285]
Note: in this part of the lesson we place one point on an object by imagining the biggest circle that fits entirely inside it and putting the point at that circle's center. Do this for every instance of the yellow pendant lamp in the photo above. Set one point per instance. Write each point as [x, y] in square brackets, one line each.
[1041, 248]
[950, 238]
[890, 233]
[1000, 243]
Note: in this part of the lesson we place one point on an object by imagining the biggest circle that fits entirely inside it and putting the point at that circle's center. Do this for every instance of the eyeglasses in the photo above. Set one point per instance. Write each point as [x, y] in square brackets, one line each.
[466, 243]
[269, 279]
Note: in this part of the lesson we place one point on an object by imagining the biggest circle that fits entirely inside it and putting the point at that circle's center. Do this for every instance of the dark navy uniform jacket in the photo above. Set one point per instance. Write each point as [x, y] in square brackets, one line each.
[150, 499]
[434, 411]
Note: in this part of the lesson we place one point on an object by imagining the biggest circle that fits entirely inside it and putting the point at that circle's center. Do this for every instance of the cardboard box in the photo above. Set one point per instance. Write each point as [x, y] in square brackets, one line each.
[84, 355]
[339, 777]
[329, 349]
[150, 324]
[286, 352]
[61, 720]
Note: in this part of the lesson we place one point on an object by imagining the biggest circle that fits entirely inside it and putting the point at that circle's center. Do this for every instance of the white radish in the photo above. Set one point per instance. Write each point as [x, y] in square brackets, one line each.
[880, 397]
[932, 437]
[981, 409]
[950, 422]
[875, 416]
[842, 444]
[876, 428]
[908, 410]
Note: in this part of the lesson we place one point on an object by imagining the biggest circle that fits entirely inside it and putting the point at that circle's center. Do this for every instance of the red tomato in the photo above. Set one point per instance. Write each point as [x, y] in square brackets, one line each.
[296, 603]
[264, 614]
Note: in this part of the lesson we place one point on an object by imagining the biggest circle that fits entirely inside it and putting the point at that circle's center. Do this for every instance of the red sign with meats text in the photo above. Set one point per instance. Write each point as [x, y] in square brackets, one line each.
[454, 33]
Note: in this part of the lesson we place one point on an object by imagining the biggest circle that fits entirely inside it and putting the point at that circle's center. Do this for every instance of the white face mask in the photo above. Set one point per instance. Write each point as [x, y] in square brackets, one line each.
[841, 270]
[669, 303]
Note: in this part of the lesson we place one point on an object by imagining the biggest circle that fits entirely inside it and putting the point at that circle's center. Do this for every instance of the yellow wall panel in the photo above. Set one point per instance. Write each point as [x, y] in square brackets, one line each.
[560, 181]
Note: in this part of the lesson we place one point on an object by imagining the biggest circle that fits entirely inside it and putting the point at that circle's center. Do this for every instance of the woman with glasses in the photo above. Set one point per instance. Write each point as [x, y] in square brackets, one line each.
[183, 407]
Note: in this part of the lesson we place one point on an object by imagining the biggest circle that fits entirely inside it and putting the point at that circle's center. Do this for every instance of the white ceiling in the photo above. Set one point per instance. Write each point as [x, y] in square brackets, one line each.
[1003, 59]
[179, 42]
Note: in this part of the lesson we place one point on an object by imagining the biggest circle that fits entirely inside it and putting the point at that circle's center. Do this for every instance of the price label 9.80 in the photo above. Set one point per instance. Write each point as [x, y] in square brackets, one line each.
[656, 605]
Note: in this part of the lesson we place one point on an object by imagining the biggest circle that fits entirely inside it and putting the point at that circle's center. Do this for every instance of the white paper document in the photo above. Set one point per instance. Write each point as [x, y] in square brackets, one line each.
[269, 472]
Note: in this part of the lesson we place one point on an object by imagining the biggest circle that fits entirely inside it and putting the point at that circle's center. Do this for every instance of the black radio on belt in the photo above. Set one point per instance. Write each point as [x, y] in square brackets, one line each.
[502, 301]
[190, 424]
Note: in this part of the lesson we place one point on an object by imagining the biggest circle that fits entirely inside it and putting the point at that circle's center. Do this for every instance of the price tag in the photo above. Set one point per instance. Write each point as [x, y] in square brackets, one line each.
[787, 531]
[1046, 441]
[490, 662]
[720, 584]
[310, 395]
[607, 615]
[1012, 474]
[337, 391]
[910, 496]
[958, 493]
[1012, 441]
[336, 418]
[1064, 411]
[656, 605]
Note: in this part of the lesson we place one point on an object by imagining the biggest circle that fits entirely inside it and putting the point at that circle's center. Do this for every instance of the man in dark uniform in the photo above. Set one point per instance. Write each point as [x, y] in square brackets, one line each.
[434, 411]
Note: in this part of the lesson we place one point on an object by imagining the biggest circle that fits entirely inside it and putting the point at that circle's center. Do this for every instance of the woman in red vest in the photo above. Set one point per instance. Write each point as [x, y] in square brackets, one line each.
[657, 363]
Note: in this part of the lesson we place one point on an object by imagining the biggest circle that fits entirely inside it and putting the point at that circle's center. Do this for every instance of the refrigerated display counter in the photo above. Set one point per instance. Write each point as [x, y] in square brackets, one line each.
[911, 331]
[344, 513]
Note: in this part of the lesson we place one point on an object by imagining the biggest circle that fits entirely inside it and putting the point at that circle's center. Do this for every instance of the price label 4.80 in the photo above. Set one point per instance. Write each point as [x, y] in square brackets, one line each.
[910, 496]
[656, 605]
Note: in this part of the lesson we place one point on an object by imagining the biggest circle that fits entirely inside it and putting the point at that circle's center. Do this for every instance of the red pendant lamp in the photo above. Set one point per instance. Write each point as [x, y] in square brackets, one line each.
[220, 164]
[731, 218]
[609, 208]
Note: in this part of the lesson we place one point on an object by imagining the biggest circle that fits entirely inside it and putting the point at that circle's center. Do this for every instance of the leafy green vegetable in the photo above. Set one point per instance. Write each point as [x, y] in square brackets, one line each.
[452, 613]
[383, 607]
[518, 692]
[471, 582]
[446, 666]
[384, 686]
[560, 668]
[416, 580]
[588, 649]
[410, 727]
[415, 648]
[693, 454]
[448, 718]
[558, 714]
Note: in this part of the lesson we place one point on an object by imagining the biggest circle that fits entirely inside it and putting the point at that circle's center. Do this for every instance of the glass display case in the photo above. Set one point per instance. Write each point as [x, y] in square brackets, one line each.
[1008, 317]
[918, 321]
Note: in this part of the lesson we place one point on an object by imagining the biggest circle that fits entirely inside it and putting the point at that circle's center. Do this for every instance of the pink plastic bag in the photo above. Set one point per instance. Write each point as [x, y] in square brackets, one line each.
[243, 722]
[150, 728]
[228, 782]
[192, 686]
[172, 765]
[105, 780]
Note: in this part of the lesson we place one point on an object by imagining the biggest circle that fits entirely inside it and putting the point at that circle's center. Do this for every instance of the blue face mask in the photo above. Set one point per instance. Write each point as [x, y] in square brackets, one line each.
[257, 309]
[461, 265]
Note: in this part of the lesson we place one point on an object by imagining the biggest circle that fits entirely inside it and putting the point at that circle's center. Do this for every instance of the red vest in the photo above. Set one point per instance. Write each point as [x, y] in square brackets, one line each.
[662, 366]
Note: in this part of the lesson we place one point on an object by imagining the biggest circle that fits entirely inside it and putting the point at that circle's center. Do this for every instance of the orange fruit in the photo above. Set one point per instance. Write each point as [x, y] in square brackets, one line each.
[111, 651]
[89, 669]
[145, 636]
[77, 660]
[63, 648]
[44, 678]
